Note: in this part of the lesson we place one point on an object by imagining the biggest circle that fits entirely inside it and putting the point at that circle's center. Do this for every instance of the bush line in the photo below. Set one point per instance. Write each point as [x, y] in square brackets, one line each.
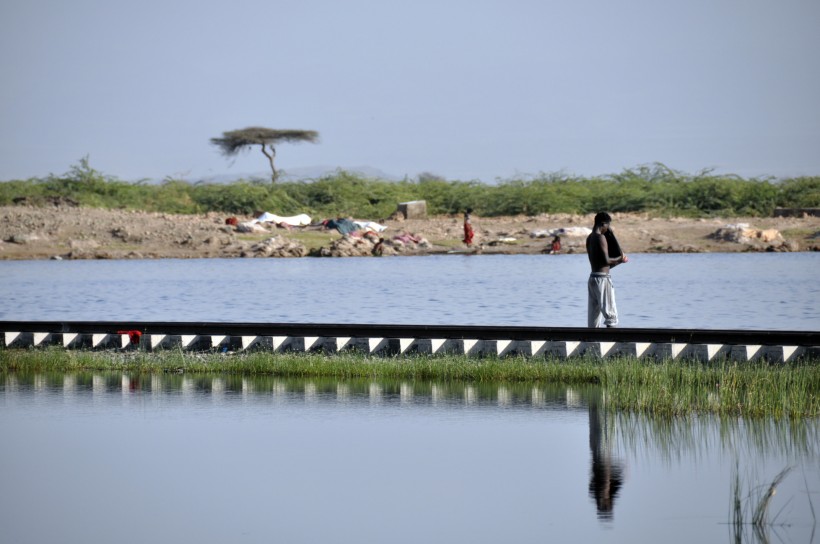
[647, 189]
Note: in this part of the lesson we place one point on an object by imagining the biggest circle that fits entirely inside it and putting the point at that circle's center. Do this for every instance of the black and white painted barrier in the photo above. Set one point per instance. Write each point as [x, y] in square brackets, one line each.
[474, 340]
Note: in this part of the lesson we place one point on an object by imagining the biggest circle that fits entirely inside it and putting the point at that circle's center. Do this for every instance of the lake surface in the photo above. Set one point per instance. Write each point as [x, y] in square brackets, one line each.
[109, 457]
[113, 457]
[709, 291]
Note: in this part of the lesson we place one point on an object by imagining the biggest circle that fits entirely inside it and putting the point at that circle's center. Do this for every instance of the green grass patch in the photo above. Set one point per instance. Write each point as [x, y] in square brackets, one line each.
[669, 388]
[312, 239]
[798, 233]
[254, 237]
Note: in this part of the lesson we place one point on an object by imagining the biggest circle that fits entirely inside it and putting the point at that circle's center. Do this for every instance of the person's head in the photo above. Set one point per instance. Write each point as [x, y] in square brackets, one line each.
[469, 211]
[602, 220]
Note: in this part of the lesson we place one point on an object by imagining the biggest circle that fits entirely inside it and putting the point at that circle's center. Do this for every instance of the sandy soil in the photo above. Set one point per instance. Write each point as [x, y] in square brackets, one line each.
[85, 233]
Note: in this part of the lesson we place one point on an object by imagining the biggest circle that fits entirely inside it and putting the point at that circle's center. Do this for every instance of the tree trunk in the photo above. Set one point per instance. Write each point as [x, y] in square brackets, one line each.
[270, 157]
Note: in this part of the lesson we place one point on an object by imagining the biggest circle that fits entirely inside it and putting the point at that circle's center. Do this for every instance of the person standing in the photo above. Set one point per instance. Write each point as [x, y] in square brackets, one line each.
[604, 253]
[555, 248]
[468, 228]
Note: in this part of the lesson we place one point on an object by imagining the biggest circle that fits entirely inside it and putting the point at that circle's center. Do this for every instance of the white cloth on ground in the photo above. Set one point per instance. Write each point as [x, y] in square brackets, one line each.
[300, 220]
[370, 225]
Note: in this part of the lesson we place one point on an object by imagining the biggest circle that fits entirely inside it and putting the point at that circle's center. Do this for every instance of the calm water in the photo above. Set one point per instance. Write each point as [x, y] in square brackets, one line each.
[117, 458]
[711, 291]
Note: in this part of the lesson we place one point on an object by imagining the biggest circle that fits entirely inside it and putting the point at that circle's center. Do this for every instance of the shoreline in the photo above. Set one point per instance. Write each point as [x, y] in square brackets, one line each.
[29, 233]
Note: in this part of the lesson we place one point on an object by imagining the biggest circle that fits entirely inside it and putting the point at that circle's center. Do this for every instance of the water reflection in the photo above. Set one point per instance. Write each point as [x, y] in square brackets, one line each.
[607, 473]
[237, 388]
[669, 440]
[611, 434]
[615, 440]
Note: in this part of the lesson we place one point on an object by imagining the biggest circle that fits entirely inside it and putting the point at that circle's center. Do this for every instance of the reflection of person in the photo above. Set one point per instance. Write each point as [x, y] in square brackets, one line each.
[468, 227]
[606, 476]
[604, 252]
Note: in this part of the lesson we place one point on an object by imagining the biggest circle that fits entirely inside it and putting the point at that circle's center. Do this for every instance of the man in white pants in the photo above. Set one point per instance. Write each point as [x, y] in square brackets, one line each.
[601, 309]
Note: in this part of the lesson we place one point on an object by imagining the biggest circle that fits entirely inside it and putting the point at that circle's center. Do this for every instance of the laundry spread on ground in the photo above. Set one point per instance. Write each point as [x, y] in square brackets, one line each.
[562, 231]
[301, 220]
[344, 226]
[370, 225]
[347, 226]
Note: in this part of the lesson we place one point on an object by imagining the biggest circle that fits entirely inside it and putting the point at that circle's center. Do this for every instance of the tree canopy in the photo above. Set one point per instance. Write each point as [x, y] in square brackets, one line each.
[234, 141]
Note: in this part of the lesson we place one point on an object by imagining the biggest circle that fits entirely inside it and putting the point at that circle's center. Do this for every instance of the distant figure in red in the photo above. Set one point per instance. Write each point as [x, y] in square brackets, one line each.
[556, 245]
[468, 228]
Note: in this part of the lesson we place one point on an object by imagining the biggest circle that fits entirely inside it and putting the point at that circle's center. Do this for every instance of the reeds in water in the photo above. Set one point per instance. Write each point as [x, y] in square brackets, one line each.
[751, 510]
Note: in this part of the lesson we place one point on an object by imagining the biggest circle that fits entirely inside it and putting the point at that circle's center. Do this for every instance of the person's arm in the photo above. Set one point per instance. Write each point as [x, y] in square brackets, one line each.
[617, 260]
[604, 247]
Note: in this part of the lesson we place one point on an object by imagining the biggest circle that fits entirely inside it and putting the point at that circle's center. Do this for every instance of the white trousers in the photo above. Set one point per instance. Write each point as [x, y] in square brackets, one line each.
[601, 308]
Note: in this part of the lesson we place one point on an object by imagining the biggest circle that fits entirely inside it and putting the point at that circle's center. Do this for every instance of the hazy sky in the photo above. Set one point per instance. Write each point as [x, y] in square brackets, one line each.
[463, 89]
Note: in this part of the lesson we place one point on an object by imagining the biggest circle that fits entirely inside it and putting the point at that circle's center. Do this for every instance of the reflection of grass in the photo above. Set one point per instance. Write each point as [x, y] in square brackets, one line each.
[439, 390]
[665, 388]
[673, 437]
[752, 510]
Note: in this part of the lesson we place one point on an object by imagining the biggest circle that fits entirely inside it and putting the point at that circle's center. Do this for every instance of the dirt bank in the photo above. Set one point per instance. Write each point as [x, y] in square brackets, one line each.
[87, 233]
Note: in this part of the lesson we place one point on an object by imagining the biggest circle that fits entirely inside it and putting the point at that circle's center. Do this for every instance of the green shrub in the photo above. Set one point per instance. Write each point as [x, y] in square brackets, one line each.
[655, 189]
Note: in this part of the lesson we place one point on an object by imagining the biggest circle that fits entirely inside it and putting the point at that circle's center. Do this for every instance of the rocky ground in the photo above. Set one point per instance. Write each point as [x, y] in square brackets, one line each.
[67, 232]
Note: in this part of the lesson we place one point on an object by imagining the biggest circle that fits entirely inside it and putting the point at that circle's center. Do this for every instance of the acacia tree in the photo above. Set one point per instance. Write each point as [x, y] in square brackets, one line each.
[234, 141]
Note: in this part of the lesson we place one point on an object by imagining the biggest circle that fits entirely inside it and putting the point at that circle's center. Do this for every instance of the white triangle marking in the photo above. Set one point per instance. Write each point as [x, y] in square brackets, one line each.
[469, 345]
[641, 348]
[405, 343]
[606, 347]
[712, 350]
[247, 341]
[788, 351]
[311, 342]
[501, 346]
[751, 351]
[374, 344]
[537, 347]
